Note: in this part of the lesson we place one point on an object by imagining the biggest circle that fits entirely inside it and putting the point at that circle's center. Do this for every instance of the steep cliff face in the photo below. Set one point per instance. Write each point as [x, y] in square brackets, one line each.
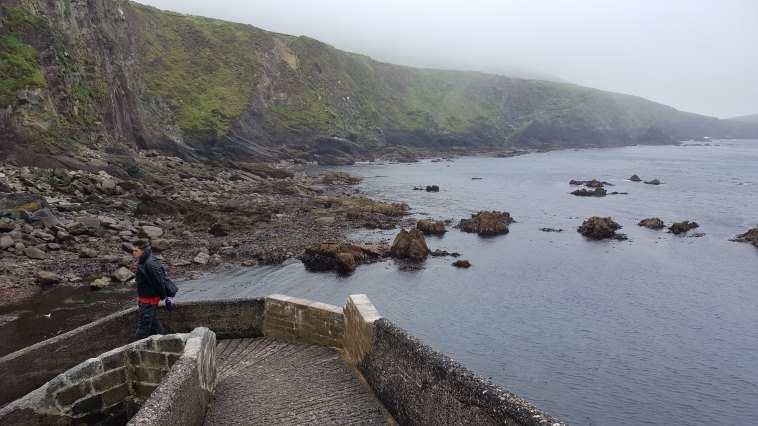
[111, 77]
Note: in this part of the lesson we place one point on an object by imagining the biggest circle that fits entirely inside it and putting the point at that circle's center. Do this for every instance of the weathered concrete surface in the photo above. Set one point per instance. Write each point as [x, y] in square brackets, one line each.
[270, 381]
[27, 369]
[183, 394]
[229, 319]
[421, 386]
[301, 320]
[360, 315]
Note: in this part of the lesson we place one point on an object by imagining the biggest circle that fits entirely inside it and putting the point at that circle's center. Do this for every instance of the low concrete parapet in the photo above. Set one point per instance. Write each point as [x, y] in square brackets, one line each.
[419, 385]
[111, 387]
[301, 320]
[29, 368]
[359, 314]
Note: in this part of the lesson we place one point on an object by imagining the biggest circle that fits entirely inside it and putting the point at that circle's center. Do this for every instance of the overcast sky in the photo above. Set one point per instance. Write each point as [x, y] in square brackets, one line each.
[695, 55]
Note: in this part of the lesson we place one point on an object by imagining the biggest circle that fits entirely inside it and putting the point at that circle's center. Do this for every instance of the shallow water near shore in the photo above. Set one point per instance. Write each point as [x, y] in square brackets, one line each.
[660, 329]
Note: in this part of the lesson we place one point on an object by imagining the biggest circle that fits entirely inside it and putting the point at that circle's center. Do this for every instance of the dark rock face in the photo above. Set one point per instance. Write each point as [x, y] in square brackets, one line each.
[487, 223]
[432, 188]
[635, 178]
[219, 230]
[652, 182]
[682, 227]
[599, 228]
[652, 223]
[750, 236]
[431, 228]
[597, 192]
[410, 245]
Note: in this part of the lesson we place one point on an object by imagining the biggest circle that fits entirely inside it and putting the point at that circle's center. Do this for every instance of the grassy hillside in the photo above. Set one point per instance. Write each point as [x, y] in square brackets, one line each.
[114, 74]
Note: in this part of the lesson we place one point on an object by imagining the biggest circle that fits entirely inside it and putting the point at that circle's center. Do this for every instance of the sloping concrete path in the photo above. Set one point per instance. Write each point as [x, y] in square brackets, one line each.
[273, 382]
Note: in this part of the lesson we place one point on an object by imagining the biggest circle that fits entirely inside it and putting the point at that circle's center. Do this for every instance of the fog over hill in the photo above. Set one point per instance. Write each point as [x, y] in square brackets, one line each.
[694, 56]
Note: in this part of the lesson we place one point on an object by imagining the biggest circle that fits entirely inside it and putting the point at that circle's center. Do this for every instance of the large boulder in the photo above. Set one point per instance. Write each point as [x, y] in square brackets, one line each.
[6, 241]
[682, 227]
[635, 178]
[45, 216]
[47, 277]
[100, 283]
[341, 256]
[599, 228]
[652, 223]
[431, 228]
[750, 236]
[35, 253]
[122, 274]
[410, 245]
[487, 223]
[151, 232]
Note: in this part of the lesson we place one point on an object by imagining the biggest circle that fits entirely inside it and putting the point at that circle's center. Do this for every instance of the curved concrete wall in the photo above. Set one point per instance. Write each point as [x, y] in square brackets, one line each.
[110, 388]
[415, 382]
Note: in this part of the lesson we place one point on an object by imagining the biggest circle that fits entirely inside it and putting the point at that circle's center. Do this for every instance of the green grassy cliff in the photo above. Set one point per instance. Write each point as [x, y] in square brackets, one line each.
[123, 75]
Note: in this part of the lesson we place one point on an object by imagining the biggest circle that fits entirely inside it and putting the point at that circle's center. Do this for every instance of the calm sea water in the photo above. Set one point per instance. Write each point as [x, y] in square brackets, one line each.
[660, 329]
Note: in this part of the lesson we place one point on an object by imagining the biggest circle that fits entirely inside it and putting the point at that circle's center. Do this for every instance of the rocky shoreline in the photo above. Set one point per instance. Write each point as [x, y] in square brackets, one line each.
[72, 228]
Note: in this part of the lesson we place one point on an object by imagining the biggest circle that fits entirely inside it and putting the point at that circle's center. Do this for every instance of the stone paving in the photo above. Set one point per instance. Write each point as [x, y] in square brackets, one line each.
[269, 381]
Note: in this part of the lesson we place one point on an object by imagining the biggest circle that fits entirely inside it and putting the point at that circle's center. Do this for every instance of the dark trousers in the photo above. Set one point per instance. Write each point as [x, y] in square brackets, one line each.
[147, 321]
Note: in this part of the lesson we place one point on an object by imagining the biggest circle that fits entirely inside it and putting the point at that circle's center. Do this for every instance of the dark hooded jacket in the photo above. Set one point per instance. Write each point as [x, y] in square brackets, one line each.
[150, 276]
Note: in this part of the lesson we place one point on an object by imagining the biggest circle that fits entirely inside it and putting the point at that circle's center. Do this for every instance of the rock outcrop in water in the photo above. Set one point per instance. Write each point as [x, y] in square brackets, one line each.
[410, 245]
[652, 223]
[682, 227]
[652, 182]
[341, 256]
[597, 192]
[431, 228]
[750, 236]
[635, 178]
[487, 223]
[599, 228]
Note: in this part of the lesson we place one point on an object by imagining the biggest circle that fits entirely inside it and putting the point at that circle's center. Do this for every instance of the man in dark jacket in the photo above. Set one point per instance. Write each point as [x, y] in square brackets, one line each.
[150, 279]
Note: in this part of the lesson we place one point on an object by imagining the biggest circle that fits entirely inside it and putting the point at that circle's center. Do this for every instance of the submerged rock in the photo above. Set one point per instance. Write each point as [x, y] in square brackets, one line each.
[682, 227]
[487, 223]
[599, 228]
[652, 223]
[653, 182]
[409, 245]
[551, 230]
[750, 236]
[462, 263]
[592, 183]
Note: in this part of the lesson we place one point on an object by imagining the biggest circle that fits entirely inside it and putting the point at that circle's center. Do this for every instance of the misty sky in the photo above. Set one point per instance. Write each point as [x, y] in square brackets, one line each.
[696, 55]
